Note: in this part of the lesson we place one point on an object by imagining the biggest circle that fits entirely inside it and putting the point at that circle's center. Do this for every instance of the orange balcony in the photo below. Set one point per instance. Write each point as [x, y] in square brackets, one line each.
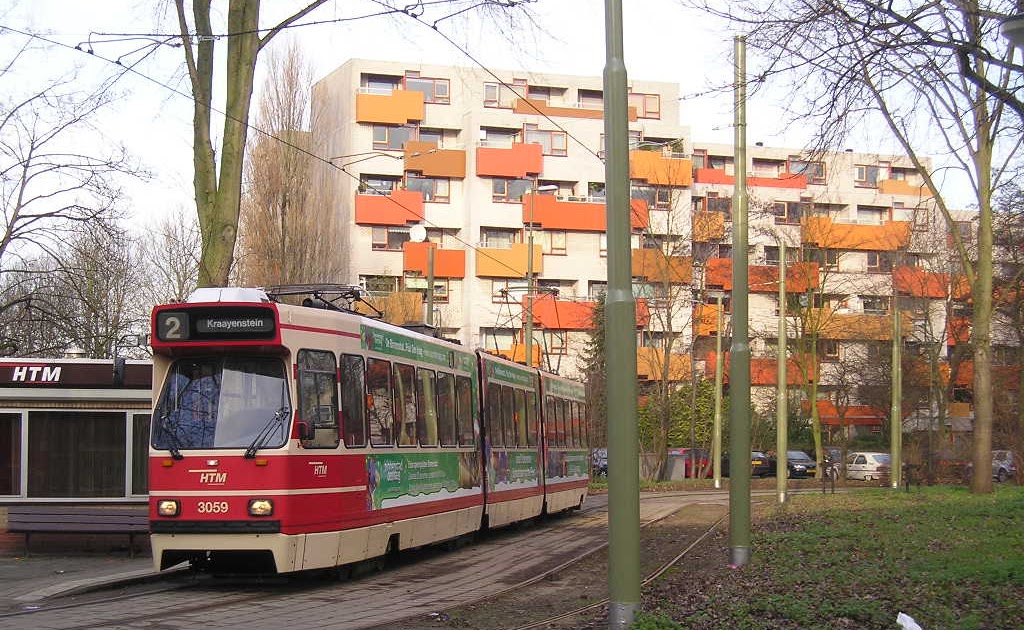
[655, 266]
[857, 326]
[426, 158]
[397, 208]
[507, 263]
[764, 370]
[657, 170]
[650, 365]
[555, 314]
[517, 353]
[519, 161]
[917, 282]
[708, 226]
[901, 187]
[705, 320]
[538, 106]
[448, 263]
[552, 213]
[848, 415]
[784, 180]
[827, 234]
[958, 330]
[712, 176]
[401, 107]
[763, 278]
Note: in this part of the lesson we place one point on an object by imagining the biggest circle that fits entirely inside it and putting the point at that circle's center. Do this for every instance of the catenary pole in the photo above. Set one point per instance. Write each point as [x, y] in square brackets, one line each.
[716, 439]
[781, 402]
[739, 354]
[620, 343]
[896, 412]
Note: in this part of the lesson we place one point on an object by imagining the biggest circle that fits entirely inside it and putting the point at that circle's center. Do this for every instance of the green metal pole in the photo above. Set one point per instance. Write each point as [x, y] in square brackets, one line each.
[430, 285]
[528, 314]
[739, 354]
[620, 344]
[896, 413]
[782, 402]
[716, 442]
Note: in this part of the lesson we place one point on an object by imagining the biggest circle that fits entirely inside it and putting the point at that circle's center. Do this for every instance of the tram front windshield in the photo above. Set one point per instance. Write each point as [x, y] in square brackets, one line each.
[217, 402]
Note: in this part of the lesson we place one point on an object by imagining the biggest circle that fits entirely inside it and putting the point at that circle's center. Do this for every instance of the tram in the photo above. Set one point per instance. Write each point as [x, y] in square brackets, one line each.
[293, 437]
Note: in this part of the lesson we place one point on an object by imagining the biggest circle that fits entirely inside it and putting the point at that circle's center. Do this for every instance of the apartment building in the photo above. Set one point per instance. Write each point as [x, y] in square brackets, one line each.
[474, 167]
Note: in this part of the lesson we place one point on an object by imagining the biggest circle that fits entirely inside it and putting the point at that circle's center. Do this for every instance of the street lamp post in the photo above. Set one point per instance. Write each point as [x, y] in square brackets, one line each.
[528, 314]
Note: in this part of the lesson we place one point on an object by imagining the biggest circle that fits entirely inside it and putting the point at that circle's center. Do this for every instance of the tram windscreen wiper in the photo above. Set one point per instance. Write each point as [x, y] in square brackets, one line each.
[261, 438]
[170, 433]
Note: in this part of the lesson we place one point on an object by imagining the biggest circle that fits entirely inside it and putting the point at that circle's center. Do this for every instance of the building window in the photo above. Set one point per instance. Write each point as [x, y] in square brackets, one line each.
[498, 137]
[813, 171]
[868, 176]
[647, 105]
[871, 215]
[597, 289]
[10, 452]
[380, 83]
[827, 258]
[875, 304]
[392, 137]
[388, 238]
[498, 238]
[767, 168]
[378, 184]
[828, 349]
[499, 95]
[880, 261]
[658, 197]
[634, 242]
[434, 189]
[556, 341]
[788, 212]
[380, 285]
[140, 454]
[419, 285]
[506, 190]
[434, 90]
[76, 454]
[433, 136]
[509, 290]
[590, 99]
[553, 142]
[720, 204]
[495, 339]
[553, 242]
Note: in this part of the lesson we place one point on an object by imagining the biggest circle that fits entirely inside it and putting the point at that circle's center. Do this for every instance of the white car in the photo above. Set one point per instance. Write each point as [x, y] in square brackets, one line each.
[866, 466]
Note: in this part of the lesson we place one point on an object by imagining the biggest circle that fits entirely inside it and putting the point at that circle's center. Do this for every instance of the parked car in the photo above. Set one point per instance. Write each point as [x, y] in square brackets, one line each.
[679, 461]
[1004, 465]
[760, 465]
[800, 464]
[867, 466]
[599, 462]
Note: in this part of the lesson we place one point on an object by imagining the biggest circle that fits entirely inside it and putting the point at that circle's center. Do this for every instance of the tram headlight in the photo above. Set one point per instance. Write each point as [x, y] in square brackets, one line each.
[168, 507]
[261, 507]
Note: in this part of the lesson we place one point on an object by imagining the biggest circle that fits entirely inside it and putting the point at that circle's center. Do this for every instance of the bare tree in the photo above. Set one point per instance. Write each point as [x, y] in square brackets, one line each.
[289, 227]
[218, 169]
[925, 72]
[172, 248]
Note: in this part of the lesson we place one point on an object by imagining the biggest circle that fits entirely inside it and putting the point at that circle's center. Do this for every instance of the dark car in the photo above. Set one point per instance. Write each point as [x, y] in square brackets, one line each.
[760, 465]
[800, 464]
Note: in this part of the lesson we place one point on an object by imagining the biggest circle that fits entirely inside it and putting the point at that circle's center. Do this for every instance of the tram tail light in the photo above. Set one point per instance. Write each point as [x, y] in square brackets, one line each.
[261, 507]
[168, 507]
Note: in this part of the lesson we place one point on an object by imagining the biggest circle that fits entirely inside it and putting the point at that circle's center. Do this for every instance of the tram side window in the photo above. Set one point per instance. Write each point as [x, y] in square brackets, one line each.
[379, 402]
[519, 416]
[549, 420]
[494, 433]
[426, 408]
[405, 404]
[531, 419]
[506, 416]
[318, 397]
[446, 422]
[353, 400]
[464, 410]
[562, 421]
[574, 422]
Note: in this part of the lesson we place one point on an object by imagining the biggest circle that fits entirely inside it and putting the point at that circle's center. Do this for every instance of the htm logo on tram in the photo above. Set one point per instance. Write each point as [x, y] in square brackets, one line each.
[213, 477]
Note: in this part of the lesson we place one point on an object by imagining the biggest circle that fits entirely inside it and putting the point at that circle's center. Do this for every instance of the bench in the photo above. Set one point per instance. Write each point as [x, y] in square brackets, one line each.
[67, 519]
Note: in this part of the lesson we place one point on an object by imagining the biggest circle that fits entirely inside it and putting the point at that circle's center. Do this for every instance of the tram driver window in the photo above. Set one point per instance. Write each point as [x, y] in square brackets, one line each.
[379, 402]
[353, 401]
[318, 397]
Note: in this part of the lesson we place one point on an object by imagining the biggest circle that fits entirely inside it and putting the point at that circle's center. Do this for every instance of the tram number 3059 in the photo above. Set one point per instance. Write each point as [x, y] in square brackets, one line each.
[212, 507]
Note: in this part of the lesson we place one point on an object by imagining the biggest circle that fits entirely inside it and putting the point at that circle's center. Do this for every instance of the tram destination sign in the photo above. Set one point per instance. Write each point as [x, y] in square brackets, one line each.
[204, 324]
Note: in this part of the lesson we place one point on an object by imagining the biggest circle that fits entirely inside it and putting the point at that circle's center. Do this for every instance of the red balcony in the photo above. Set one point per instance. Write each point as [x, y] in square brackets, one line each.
[448, 263]
[397, 208]
[552, 213]
[519, 161]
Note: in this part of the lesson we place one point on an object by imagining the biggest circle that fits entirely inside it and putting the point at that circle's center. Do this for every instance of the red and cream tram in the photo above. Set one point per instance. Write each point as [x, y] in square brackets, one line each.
[287, 438]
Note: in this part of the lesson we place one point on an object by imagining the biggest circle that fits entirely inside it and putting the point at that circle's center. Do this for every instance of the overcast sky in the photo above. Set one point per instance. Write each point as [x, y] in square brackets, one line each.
[662, 42]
